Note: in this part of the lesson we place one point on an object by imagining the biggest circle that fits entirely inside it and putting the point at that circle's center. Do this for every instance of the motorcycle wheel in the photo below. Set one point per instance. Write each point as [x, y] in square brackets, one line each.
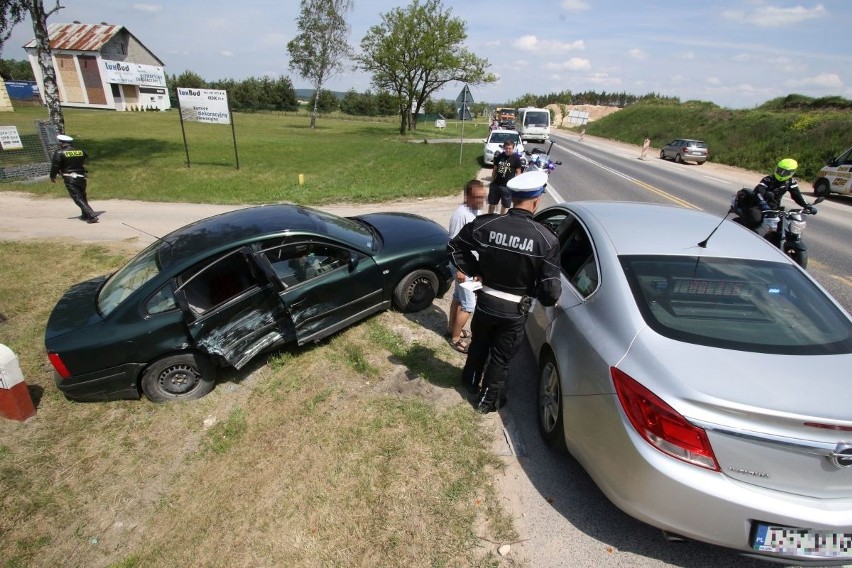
[800, 257]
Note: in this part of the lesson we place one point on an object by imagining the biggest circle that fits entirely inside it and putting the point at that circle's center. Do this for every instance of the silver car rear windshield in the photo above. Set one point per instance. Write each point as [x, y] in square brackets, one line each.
[745, 305]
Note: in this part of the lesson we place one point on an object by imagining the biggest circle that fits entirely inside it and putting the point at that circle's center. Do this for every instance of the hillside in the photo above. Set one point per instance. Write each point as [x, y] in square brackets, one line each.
[753, 139]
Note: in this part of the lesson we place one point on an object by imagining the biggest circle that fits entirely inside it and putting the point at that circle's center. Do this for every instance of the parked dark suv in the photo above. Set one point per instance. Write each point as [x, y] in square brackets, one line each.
[685, 150]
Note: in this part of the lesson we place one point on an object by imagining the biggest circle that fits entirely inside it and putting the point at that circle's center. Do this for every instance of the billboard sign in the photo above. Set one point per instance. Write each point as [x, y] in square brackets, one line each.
[9, 138]
[204, 105]
[132, 73]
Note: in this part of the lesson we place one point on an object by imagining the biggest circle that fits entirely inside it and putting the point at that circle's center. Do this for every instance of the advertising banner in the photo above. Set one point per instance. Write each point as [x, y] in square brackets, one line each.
[132, 73]
[204, 105]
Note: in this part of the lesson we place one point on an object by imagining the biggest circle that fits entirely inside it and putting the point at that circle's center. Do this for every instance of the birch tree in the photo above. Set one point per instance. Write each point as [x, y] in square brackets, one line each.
[318, 52]
[12, 13]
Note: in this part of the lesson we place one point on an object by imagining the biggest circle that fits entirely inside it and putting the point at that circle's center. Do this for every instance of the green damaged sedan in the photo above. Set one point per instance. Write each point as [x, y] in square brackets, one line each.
[219, 291]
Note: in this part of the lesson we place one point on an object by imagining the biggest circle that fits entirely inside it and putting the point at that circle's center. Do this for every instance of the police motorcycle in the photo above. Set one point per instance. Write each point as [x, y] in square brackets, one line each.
[537, 160]
[780, 226]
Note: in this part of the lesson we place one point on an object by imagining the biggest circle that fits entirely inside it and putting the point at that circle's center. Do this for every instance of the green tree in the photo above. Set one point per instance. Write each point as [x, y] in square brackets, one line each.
[321, 46]
[11, 14]
[326, 102]
[13, 70]
[416, 51]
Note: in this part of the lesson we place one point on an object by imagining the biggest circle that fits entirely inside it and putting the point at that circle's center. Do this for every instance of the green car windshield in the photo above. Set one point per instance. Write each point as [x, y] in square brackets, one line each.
[128, 279]
[741, 304]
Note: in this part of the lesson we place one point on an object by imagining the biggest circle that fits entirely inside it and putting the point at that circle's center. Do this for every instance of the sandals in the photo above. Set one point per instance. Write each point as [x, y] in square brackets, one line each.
[461, 345]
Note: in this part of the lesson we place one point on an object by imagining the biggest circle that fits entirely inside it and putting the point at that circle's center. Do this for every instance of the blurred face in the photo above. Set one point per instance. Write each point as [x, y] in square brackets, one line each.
[509, 147]
[476, 198]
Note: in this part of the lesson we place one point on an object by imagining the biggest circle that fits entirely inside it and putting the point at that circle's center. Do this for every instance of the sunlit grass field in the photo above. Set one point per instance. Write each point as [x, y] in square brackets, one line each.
[142, 156]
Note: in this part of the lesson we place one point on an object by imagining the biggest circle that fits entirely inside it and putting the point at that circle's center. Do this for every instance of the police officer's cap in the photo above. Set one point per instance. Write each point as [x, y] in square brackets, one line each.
[64, 138]
[527, 185]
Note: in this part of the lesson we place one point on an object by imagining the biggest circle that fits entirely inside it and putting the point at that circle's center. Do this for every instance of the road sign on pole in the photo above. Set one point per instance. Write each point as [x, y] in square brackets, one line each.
[464, 100]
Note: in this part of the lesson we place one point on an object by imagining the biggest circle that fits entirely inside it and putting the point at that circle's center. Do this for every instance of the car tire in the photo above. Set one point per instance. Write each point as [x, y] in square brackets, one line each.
[550, 410]
[822, 188]
[416, 291]
[700, 163]
[678, 159]
[662, 155]
[187, 376]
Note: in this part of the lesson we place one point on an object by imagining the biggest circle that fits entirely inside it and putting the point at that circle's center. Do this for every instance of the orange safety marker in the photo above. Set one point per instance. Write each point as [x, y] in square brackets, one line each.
[15, 400]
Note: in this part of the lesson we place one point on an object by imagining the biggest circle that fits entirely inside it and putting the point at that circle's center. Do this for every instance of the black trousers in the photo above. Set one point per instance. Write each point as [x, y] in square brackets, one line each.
[496, 340]
[77, 190]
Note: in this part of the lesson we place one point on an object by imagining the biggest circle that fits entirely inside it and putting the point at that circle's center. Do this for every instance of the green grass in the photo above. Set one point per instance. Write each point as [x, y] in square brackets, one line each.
[142, 156]
[751, 139]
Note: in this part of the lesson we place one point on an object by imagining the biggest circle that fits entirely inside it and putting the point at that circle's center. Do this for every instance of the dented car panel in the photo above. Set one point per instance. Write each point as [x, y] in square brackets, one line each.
[227, 288]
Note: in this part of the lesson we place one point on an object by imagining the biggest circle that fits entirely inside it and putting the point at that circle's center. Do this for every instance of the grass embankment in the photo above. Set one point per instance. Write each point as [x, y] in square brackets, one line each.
[142, 156]
[354, 452]
[752, 139]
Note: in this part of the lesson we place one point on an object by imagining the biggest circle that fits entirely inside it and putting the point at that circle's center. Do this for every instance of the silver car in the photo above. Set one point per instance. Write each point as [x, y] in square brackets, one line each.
[685, 150]
[494, 144]
[702, 379]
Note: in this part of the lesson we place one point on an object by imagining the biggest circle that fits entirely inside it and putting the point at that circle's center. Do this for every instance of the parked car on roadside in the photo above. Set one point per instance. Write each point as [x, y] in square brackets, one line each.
[685, 150]
[835, 176]
[219, 291]
[494, 144]
[695, 375]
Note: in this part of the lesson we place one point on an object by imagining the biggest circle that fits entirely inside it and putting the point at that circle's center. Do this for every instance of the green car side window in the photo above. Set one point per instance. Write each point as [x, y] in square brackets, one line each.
[162, 301]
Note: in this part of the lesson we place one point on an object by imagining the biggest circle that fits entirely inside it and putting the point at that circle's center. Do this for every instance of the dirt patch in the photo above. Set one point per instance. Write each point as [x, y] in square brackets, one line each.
[560, 113]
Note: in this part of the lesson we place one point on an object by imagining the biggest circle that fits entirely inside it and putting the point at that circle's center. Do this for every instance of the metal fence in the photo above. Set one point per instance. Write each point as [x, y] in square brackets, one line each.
[27, 147]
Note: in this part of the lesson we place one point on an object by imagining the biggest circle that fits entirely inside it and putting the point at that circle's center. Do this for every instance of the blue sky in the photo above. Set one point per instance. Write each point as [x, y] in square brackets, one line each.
[735, 53]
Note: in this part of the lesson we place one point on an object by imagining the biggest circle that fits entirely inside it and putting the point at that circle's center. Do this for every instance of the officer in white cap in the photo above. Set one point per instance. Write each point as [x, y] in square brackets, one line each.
[69, 162]
[517, 260]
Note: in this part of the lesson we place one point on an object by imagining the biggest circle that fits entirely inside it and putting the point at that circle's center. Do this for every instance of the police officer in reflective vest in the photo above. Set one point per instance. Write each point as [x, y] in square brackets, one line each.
[516, 259]
[69, 163]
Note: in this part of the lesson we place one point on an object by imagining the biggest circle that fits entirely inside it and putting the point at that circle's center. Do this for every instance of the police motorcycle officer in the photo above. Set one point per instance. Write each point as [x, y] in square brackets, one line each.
[69, 162]
[516, 260]
[768, 192]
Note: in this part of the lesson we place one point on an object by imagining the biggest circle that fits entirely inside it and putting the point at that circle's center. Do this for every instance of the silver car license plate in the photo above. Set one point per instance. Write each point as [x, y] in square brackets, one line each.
[802, 542]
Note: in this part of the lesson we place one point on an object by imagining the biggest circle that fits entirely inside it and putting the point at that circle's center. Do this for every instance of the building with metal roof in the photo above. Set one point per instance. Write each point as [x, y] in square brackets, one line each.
[102, 66]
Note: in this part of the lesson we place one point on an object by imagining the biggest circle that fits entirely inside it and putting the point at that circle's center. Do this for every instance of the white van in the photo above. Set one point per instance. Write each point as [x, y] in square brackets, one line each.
[835, 176]
[533, 124]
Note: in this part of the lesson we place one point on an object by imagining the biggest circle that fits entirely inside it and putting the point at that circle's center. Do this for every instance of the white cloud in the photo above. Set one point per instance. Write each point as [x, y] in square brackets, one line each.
[714, 80]
[147, 7]
[226, 53]
[575, 5]
[573, 64]
[532, 43]
[688, 55]
[771, 16]
[603, 80]
[827, 80]
[638, 54]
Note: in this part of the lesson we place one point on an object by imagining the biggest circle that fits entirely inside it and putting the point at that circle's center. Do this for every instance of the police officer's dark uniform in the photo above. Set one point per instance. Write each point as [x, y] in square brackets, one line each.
[518, 260]
[69, 163]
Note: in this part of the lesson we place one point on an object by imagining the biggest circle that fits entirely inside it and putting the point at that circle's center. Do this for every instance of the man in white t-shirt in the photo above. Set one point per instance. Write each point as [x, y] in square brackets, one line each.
[464, 300]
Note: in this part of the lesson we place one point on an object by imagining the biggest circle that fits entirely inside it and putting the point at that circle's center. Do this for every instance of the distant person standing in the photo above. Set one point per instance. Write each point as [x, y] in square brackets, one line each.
[464, 300]
[582, 134]
[69, 163]
[645, 145]
[507, 164]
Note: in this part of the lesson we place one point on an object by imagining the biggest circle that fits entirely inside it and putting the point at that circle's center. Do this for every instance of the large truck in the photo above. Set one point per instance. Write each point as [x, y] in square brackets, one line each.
[505, 116]
[533, 124]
